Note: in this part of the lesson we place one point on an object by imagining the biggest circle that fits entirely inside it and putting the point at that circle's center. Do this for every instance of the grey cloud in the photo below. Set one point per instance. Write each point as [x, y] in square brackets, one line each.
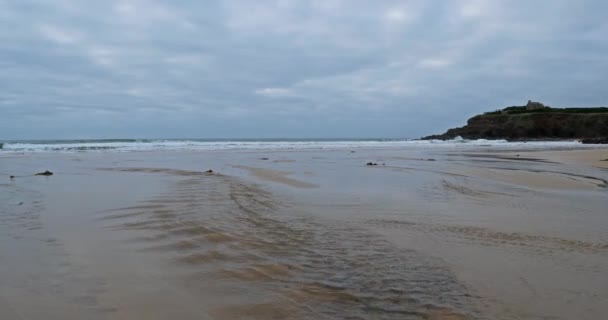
[76, 68]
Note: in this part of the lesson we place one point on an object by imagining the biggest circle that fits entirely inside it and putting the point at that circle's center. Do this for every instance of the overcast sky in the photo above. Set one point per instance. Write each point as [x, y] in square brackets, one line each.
[212, 69]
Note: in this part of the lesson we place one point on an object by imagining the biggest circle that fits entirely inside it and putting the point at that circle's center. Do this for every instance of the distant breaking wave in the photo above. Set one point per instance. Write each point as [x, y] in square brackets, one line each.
[141, 145]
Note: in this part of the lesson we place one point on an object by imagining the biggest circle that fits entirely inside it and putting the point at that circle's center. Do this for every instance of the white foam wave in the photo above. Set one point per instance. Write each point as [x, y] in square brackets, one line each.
[176, 145]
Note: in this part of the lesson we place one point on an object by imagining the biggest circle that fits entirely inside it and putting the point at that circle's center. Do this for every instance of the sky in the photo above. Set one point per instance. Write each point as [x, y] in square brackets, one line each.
[289, 69]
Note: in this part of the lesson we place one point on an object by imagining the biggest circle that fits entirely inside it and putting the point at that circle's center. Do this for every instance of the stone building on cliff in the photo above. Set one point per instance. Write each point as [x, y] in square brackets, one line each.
[534, 105]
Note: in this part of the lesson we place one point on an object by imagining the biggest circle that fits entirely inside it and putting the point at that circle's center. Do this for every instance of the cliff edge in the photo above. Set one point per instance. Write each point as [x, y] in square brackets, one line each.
[534, 123]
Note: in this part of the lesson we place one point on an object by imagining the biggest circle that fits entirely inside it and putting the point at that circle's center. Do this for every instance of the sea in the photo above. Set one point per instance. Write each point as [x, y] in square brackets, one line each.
[143, 145]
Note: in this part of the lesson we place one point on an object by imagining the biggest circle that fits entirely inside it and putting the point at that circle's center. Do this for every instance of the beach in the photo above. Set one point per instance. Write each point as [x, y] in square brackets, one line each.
[468, 232]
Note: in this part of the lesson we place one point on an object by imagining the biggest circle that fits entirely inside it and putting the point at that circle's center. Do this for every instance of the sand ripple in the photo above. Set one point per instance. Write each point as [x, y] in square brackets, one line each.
[236, 239]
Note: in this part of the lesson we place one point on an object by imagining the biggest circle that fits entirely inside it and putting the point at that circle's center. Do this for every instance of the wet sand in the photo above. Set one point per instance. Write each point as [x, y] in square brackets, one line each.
[305, 235]
[276, 176]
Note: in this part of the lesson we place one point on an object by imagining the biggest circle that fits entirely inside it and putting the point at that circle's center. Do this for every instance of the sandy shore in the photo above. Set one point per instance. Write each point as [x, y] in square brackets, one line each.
[594, 158]
[437, 234]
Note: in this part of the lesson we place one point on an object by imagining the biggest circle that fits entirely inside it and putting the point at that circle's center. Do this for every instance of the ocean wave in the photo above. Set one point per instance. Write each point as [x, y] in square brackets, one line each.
[134, 145]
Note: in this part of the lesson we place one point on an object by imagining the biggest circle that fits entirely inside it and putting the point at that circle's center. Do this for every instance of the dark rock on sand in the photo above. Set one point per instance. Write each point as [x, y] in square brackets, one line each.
[46, 173]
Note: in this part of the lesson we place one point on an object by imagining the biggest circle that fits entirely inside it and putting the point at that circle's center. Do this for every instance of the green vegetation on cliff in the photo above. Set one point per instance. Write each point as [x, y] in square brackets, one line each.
[523, 109]
[522, 123]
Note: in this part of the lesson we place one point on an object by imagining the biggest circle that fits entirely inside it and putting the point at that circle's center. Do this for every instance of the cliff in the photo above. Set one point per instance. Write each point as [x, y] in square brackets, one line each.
[518, 123]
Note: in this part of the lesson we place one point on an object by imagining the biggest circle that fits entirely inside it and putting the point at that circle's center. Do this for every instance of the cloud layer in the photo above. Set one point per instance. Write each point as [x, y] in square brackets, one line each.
[138, 68]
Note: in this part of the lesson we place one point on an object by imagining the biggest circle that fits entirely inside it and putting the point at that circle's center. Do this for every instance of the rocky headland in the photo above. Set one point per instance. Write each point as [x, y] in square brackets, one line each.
[535, 121]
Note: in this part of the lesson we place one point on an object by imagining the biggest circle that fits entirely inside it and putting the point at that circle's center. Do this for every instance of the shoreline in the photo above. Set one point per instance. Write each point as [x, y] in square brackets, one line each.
[97, 146]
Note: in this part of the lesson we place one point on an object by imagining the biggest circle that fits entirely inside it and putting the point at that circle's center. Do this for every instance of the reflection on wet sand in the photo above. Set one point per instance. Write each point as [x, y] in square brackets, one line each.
[533, 243]
[231, 237]
[490, 236]
[38, 280]
[276, 176]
